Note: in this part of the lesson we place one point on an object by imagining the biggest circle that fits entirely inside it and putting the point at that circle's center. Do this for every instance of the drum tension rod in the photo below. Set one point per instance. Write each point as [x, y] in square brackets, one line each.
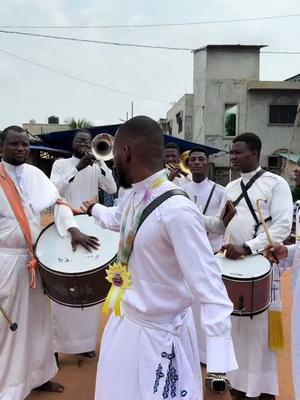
[13, 326]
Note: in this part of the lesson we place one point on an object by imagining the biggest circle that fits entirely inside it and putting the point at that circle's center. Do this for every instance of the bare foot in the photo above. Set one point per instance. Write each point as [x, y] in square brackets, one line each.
[51, 387]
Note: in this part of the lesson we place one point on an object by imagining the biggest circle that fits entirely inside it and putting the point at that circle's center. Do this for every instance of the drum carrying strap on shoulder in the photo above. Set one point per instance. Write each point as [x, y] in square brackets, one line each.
[158, 201]
[244, 195]
[209, 198]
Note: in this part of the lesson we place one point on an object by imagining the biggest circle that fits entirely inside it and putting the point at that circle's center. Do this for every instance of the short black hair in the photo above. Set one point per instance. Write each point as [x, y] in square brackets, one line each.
[251, 139]
[146, 134]
[199, 149]
[14, 128]
[172, 145]
[82, 131]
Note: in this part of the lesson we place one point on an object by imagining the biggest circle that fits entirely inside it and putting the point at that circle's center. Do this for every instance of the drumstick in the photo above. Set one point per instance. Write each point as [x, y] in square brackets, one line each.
[263, 221]
[226, 242]
[12, 325]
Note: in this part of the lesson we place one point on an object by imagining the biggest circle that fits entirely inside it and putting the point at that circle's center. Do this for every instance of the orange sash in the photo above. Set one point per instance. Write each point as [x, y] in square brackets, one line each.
[15, 202]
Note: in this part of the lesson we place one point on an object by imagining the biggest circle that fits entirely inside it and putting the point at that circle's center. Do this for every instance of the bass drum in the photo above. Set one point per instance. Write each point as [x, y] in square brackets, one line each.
[248, 282]
[76, 279]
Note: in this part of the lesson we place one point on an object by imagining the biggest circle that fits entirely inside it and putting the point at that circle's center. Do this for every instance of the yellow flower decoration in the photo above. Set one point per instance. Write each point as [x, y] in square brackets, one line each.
[118, 275]
[120, 279]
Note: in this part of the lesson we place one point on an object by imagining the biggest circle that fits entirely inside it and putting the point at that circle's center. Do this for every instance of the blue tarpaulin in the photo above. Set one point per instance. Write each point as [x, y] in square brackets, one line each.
[62, 140]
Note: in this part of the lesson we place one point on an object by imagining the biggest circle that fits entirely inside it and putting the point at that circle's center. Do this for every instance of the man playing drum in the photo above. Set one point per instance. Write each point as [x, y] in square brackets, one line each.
[257, 374]
[77, 179]
[151, 352]
[26, 355]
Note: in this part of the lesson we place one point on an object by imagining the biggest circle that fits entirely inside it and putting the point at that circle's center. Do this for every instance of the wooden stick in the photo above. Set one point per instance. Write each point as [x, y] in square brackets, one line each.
[229, 237]
[263, 221]
[12, 325]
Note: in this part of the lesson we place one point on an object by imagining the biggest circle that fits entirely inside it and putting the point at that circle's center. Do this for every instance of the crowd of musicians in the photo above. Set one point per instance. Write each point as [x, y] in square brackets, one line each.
[175, 320]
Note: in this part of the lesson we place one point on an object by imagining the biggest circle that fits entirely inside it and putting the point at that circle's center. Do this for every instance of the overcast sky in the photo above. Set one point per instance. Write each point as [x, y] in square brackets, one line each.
[30, 92]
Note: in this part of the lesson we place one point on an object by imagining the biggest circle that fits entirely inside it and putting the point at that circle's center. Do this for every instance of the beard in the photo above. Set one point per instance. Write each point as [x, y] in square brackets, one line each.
[122, 178]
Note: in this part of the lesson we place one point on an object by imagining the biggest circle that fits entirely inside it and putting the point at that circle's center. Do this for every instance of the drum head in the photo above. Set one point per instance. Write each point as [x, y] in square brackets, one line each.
[244, 268]
[55, 252]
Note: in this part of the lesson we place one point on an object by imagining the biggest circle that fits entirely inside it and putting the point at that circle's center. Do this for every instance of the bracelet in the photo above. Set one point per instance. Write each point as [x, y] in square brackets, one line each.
[89, 209]
[219, 375]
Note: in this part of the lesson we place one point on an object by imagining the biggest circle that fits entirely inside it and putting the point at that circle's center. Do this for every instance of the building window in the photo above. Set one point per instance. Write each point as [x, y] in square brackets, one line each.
[283, 114]
[179, 121]
[230, 120]
[274, 162]
[169, 128]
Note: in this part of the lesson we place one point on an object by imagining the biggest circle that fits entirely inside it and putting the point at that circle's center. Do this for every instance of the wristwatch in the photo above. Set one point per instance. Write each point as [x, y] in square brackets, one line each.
[217, 383]
[247, 248]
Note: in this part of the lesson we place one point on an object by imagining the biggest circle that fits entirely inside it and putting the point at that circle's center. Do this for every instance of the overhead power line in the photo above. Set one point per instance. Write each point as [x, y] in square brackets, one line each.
[123, 44]
[76, 78]
[95, 41]
[162, 25]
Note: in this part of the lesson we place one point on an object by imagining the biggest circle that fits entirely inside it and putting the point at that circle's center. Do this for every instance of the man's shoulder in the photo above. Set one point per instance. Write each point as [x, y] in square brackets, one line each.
[32, 169]
[62, 161]
[219, 187]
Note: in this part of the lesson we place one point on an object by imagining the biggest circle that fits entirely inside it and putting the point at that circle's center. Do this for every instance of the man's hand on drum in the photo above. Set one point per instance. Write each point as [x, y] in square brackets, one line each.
[87, 206]
[276, 253]
[234, 251]
[80, 238]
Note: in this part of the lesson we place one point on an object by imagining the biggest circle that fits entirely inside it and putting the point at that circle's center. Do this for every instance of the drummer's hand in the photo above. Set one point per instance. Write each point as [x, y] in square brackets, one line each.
[78, 237]
[234, 251]
[276, 253]
[210, 395]
[87, 206]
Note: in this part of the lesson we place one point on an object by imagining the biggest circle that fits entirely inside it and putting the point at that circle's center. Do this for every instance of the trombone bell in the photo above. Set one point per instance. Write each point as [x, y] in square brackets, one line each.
[183, 162]
[102, 147]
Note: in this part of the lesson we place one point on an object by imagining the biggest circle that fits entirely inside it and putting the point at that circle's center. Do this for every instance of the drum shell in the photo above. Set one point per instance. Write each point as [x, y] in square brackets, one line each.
[250, 296]
[75, 290]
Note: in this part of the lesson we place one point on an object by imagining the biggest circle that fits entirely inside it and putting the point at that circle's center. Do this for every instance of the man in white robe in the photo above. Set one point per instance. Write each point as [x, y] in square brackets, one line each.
[171, 157]
[257, 373]
[207, 195]
[78, 179]
[151, 351]
[26, 355]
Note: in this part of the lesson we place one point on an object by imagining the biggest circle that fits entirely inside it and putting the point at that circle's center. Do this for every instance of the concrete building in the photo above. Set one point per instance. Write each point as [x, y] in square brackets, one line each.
[53, 126]
[180, 118]
[229, 99]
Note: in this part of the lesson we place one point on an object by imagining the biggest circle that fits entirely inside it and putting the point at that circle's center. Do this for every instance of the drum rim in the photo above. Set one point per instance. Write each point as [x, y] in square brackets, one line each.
[231, 278]
[249, 314]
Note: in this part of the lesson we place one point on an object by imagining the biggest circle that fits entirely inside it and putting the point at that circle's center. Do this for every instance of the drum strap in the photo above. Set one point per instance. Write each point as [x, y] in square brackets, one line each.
[209, 198]
[158, 201]
[244, 195]
[15, 202]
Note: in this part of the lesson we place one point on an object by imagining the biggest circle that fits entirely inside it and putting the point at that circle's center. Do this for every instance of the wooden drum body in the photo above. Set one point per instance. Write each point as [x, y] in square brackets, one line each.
[248, 282]
[76, 279]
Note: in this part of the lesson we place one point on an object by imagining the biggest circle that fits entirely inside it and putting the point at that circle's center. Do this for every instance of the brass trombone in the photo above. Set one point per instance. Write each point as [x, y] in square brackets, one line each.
[182, 165]
[101, 148]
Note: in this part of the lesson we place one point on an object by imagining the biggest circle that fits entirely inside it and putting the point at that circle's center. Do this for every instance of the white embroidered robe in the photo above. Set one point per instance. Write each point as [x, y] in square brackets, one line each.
[172, 265]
